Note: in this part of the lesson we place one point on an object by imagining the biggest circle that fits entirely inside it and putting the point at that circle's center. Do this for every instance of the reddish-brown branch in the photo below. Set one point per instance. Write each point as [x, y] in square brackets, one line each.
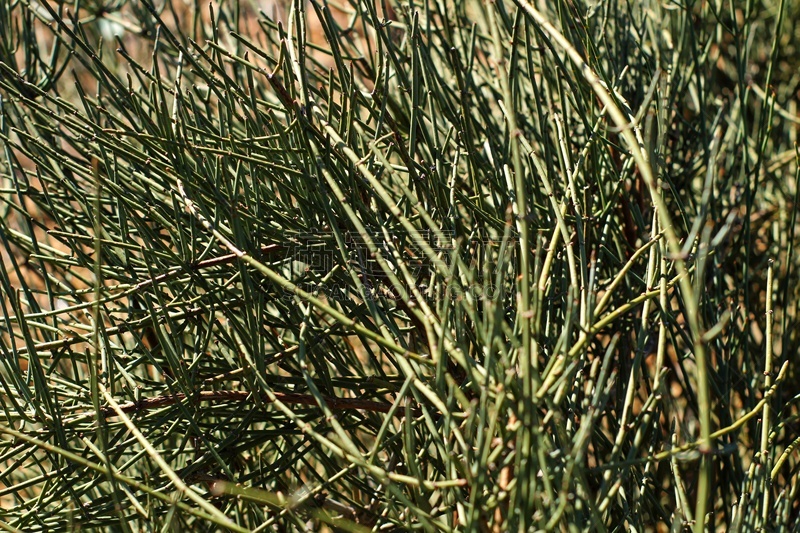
[336, 404]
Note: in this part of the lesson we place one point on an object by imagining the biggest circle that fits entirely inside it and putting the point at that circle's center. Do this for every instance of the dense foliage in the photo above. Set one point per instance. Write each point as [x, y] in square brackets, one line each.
[440, 265]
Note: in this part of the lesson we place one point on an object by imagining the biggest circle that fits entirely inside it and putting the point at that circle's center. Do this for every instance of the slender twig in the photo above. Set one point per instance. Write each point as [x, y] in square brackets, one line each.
[336, 404]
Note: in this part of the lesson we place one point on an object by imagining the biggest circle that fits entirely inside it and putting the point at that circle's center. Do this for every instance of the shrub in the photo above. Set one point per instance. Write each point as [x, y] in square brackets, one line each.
[388, 266]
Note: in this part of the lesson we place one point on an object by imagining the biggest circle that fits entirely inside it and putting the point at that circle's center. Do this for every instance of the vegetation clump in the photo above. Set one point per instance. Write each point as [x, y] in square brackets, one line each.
[382, 265]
